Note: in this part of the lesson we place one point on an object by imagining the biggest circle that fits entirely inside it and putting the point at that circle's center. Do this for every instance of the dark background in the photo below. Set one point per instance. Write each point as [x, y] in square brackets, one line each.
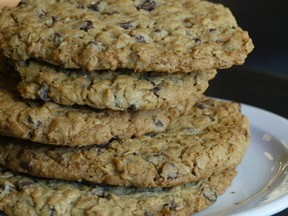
[267, 24]
[263, 80]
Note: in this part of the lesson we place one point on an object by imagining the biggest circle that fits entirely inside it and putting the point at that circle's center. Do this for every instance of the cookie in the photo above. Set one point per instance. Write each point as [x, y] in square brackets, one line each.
[51, 123]
[116, 90]
[142, 35]
[214, 137]
[21, 195]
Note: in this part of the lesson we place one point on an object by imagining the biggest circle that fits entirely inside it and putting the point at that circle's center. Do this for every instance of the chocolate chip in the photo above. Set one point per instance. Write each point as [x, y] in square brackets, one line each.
[88, 25]
[147, 5]
[246, 133]
[212, 30]
[117, 102]
[26, 166]
[198, 40]
[106, 196]
[24, 183]
[126, 25]
[210, 194]
[132, 108]
[157, 88]
[41, 14]
[39, 124]
[140, 39]
[202, 106]
[52, 212]
[157, 30]
[54, 19]
[43, 93]
[30, 120]
[22, 2]
[94, 6]
[159, 124]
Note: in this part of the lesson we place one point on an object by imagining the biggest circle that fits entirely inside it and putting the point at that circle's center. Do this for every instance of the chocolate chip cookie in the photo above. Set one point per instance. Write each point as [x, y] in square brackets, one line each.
[212, 138]
[21, 195]
[116, 90]
[51, 123]
[142, 35]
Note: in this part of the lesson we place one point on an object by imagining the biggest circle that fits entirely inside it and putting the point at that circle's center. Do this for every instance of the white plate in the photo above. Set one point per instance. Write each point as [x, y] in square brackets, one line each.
[261, 186]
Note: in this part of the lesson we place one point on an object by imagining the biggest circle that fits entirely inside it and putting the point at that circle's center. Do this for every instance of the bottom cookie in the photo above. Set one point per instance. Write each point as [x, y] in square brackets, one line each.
[22, 195]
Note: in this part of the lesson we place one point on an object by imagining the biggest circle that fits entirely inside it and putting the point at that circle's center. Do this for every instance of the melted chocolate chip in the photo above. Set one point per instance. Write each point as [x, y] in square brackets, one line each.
[88, 25]
[24, 183]
[159, 124]
[198, 40]
[140, 39]
[212, 30]
[26, 166]
[157, 30]
[147, 5]
[43, 93]
[126, 25]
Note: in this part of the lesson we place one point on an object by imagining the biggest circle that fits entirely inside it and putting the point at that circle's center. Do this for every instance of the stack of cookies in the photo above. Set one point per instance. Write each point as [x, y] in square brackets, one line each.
[102, 109]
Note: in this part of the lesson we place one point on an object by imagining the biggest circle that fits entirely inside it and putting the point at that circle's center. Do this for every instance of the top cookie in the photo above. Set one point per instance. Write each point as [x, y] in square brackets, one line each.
[143, 35]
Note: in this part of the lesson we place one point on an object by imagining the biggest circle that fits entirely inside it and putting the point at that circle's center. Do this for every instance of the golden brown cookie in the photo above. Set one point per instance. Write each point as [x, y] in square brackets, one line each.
[212, 138]
[21, 195]
[142, 35]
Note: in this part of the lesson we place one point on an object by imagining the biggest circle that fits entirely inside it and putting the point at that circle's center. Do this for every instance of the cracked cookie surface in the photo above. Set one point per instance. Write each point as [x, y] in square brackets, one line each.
[142, 35]
[21, 195]
[116, 90]
[212, 138]
[51, 123]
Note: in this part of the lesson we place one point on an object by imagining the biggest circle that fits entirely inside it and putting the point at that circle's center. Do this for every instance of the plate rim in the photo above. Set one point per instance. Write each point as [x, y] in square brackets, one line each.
[280, 203]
